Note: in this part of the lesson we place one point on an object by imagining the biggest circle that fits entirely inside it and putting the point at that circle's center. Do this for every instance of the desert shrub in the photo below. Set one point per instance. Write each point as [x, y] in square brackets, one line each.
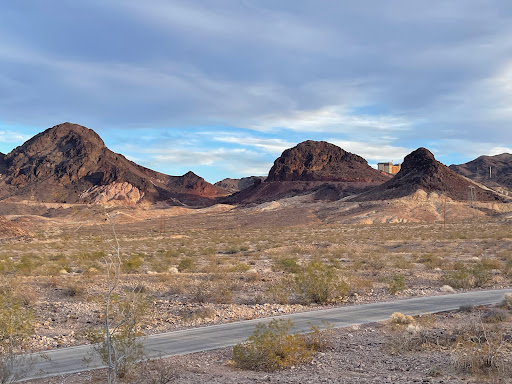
[27, 264]
[16, 326]
[280, 292]
[287, 264]
[507, 301]
[496, 315]
[315, 282]
[467, 308]
[409, 334]
[132, 264]
[507, 268]
[467, 277]
[186, 264]
[480, 275]
[318, 282]
[482, 350]
[126, 318]
[239, 267]
[431, 261]
[396, 284]
[398, 318]
[215, 291]
[73, 290]
[457, 279]
[271, 347]
[158, 372]
[320, 340]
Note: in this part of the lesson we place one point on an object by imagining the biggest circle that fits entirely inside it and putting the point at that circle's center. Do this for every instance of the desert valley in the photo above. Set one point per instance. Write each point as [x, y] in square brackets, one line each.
[323, 229]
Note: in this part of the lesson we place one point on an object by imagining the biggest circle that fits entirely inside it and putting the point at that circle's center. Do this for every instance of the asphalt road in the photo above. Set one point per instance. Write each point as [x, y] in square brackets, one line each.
[71, 360]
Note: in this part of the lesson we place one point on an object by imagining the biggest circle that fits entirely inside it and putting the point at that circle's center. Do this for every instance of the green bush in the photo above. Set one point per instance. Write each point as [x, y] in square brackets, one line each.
[396, 284]
[186, 264]
[132, 264]
[272, 347]
[286, 264]
[467, 277]
[318, 282]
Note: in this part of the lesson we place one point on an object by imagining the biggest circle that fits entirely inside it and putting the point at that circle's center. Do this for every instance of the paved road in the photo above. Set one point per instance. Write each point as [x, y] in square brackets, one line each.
[70, 360]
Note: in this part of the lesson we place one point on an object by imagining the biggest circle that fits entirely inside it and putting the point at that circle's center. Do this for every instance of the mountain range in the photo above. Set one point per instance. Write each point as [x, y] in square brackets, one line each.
[70, 163]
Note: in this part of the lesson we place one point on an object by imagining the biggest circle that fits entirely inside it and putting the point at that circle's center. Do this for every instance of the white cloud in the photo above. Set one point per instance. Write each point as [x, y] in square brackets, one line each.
[468, 148]
[273, 146]
[374, 151]
[331, 119]
[13, 137]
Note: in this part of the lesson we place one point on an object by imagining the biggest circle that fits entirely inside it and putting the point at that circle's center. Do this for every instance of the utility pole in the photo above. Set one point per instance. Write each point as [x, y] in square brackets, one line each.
[490, 172]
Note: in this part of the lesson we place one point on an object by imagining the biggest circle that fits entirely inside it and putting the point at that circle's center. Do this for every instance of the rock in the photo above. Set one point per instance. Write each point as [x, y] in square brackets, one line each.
[173, 270]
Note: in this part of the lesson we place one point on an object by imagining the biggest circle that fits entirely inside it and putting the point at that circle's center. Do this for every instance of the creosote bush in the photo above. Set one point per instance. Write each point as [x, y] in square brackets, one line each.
[396, 284]
[467, 276]
[317, 282]
[272, 347]
[16, 326]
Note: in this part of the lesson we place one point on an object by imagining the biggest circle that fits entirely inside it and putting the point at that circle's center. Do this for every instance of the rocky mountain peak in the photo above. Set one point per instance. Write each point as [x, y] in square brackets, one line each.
[419, 161]
[420, 170]
[69, 139]
[321, 161]
[71, 163]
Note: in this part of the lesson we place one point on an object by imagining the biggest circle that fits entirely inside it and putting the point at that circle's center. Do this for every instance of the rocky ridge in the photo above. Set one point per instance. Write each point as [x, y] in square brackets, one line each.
[492, 171]
[421, 171]
[70, 163]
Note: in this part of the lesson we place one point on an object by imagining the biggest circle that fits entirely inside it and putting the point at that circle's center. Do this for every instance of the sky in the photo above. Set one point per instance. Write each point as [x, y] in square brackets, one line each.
[223, 87]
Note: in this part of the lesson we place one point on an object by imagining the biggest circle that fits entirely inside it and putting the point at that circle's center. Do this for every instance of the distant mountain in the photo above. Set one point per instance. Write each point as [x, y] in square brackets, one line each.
[322, 161]
[70, 163]
[492, 171]
[317, 167]
[236, 185]
[421, 171]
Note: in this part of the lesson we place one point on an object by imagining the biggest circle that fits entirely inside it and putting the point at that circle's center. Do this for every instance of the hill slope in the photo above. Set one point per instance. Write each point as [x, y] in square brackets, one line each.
[421, 171]
[70, 163]
[236, 185]
[478, 170]
[313, 167]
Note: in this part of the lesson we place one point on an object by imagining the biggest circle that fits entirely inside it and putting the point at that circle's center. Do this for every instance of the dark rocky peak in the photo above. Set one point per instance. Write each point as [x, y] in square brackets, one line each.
[66, 138]
[420, 170]
[419, 161]
[321, 161]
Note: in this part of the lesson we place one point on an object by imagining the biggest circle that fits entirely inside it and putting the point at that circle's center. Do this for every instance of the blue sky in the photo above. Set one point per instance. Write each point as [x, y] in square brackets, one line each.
[223, 87]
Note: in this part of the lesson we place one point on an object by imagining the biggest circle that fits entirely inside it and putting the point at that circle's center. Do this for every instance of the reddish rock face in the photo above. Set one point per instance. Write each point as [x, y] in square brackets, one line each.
[420, 170]
[478, 170]
[63, 162]
[322, 161]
